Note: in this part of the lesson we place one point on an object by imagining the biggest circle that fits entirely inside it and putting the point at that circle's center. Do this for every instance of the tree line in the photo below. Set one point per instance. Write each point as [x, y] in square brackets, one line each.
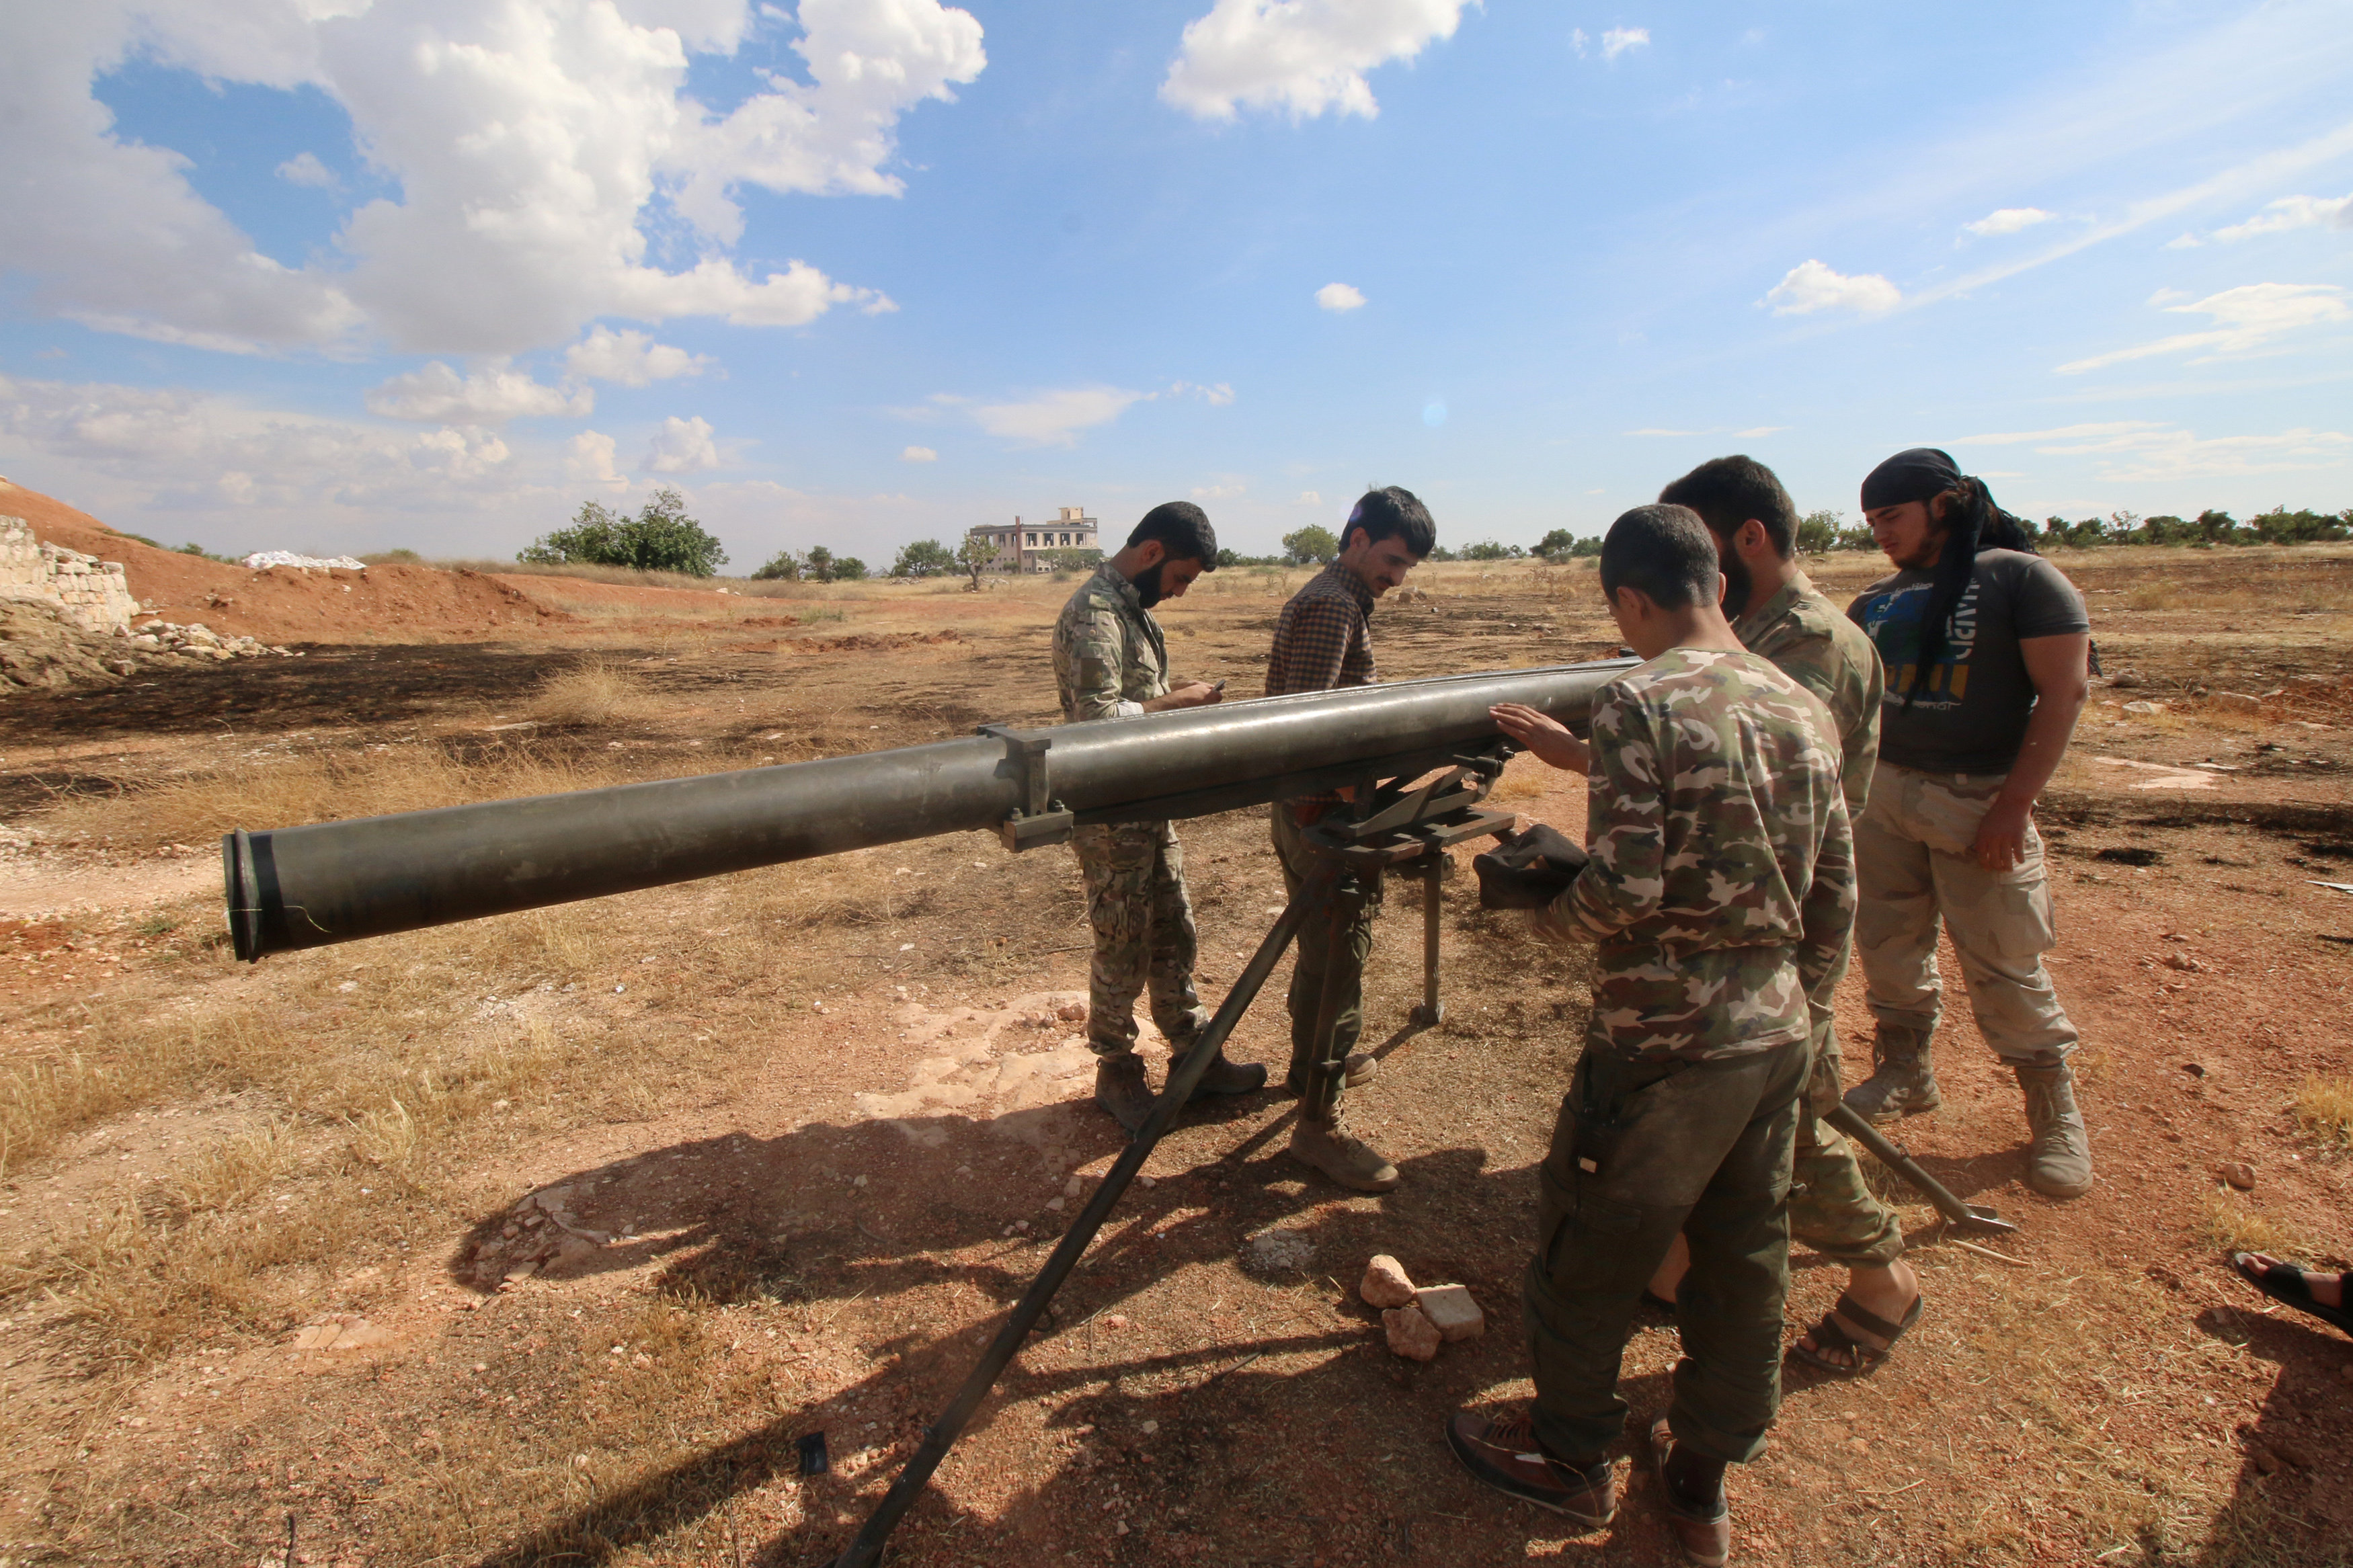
[661, 537]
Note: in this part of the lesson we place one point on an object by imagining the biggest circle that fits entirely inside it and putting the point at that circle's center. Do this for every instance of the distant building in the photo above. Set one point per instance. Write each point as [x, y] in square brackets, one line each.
[1032, 546]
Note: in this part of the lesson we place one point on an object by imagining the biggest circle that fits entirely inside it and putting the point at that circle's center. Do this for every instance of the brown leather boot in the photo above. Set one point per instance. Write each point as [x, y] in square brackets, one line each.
[2059, 1165]
[1121, 1088]
[1902, 1082]
[1318, 1140]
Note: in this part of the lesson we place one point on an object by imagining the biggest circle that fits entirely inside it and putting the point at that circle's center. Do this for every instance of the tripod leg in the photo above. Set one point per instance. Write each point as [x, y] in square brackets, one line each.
[866, 1549]
[1432, 1011]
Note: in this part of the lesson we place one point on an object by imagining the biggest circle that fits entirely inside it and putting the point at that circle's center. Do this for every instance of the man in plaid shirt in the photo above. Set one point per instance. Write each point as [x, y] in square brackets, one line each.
[1324, 641]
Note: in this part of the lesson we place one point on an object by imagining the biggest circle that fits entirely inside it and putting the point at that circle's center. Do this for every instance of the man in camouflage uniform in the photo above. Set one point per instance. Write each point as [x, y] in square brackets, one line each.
[1111, 661]
[1721, 889]
[1778, 615]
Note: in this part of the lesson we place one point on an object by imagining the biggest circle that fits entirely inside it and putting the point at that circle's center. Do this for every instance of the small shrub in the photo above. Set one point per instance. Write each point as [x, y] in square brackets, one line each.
[2324, 1110]
[2231, 1226]
[597, 690]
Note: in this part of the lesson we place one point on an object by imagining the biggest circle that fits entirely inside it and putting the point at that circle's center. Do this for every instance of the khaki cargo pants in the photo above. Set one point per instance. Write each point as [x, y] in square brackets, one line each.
[1914, 870]
[1143, 921]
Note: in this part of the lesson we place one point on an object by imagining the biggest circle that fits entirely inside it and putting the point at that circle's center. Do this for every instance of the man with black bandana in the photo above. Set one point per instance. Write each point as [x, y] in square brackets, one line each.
[1985, 644]
[1111, 661]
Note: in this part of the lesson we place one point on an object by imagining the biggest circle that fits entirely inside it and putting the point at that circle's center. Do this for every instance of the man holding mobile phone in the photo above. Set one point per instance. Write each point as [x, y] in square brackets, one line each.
[1111, 661]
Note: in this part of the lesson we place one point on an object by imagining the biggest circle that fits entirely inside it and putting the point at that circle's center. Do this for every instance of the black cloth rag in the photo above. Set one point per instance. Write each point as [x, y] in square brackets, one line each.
[1528, 870]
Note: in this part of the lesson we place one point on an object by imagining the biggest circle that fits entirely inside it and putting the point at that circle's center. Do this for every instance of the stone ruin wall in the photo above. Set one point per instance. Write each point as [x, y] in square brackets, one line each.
[91, 594]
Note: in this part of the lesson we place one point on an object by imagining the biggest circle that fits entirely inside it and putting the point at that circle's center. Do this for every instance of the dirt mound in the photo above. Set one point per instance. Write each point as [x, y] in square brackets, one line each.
[40, 649]
[382, 603]
[869, 642]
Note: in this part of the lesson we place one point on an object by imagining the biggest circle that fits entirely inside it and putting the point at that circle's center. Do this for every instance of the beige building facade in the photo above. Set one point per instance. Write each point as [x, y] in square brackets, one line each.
[1028, 546]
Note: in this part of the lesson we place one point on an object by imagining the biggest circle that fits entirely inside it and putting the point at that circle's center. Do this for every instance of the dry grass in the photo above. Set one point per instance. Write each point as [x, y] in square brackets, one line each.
[596, 690]
[2324, 1110]
[2159, 595]
[2231, 1225]
[41, 1100]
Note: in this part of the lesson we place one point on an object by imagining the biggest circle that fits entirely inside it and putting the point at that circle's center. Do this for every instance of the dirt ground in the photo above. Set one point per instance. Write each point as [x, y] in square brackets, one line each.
[547, 1239]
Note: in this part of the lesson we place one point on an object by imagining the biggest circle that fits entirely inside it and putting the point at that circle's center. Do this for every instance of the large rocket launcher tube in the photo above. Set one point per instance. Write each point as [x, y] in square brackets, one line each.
[338, 881]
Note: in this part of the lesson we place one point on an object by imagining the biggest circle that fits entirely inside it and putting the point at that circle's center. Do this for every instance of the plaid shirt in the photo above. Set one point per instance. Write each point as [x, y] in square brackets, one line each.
[1324, 640]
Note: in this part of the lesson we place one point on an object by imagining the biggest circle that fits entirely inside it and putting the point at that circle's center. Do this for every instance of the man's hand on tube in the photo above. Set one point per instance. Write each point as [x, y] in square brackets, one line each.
[1546, 737]
[1191, 694]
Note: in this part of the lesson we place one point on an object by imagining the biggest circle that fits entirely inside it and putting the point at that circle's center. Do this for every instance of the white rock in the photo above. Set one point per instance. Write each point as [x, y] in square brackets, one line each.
[1385, 1283]
[1451, 1311]
[1410, 1334]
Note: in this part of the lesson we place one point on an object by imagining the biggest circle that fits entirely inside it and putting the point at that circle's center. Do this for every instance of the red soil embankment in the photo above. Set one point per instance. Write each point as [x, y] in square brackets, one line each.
[384, 603]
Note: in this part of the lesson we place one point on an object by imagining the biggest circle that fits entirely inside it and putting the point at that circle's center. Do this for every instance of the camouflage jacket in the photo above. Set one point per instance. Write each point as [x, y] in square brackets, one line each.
[1109, 657]
[1722, 884]
[1811, 640]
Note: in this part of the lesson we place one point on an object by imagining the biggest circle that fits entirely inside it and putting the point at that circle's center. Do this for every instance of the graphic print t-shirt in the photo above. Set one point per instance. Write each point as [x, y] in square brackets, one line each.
[1970, 711]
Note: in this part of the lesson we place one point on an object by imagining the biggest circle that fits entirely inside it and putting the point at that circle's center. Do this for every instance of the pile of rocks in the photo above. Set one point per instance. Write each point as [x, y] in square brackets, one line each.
[1418, 1320]
[201, 641]
[539, 1232]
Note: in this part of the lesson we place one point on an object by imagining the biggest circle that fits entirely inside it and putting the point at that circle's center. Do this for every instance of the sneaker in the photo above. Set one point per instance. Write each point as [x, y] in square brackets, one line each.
[2059, 1165]
[1505, 1455]
[1348, 1161]
[1706, 1539]
[1121, 1088]
[1361, 1068]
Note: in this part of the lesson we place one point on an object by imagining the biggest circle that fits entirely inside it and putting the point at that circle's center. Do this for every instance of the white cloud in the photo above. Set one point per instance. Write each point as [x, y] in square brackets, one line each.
[2007, 220]
[1220, 395]
[2148, 450]
[2293, 212]
[1618, 40]
[588, 459]
[491, 395]
[1220, 493]
[1340, 297]
[2246, 318]
[211, 458]
[1055, 418]
[1300, 56]
[1758, 432]
[682, 446]
[1811, 286]
[1308, 498]
[536, 145]
[1613, 43]
[919, 454]
[304, 169]
[1652, 431]
[628, 358]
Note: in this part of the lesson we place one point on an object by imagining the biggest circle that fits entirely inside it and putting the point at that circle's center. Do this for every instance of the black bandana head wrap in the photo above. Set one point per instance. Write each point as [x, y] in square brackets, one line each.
[1920, 474]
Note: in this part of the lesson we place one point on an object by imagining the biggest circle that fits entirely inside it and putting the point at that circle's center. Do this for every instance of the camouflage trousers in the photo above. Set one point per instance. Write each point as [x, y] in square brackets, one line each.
[1914, 871]
[1831, 1209]
[1142, 923]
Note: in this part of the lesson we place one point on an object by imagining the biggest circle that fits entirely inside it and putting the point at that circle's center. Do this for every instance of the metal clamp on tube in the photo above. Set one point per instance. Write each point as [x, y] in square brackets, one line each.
[1040, 819]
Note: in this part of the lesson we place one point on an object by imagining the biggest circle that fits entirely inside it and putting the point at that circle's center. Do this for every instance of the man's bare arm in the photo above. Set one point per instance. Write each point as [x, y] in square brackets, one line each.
[2060, 669]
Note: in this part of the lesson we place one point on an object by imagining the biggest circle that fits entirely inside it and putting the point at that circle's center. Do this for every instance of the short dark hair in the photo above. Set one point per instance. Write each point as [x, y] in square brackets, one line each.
[1728, 491]
[1664, 551]
[1183, 530]
[1392, 512]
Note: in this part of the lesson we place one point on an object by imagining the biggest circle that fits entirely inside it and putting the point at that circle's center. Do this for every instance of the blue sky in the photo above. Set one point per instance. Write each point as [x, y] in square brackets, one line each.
[345, 276]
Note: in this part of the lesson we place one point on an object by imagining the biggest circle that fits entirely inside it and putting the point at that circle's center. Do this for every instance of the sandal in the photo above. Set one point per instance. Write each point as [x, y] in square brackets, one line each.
[2284, 1282]
[1829, 1336]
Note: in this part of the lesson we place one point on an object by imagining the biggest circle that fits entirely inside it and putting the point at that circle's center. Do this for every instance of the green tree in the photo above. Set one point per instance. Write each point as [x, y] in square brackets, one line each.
[924, 558]
[1817, 531]
[821, 563]
[976, 555]
[784, 566]
[847, 569]
[1311, 544]
[1489, 550]
[661, 538]
[1557, 544]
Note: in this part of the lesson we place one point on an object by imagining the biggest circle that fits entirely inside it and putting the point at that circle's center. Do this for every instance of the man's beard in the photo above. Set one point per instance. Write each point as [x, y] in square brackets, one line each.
[1148, 585]
[1738, 584]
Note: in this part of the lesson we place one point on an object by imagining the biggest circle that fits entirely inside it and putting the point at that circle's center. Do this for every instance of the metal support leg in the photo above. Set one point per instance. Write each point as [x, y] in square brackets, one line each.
[1432, 1012]
[866, 1549]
